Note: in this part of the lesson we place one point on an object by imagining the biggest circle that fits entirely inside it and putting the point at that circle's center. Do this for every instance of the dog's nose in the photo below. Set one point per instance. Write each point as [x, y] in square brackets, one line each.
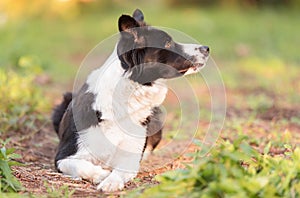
[204, 50]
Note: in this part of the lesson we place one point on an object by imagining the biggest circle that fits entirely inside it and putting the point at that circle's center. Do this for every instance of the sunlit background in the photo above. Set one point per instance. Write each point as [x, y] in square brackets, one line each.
[58, 33]
[255, 44]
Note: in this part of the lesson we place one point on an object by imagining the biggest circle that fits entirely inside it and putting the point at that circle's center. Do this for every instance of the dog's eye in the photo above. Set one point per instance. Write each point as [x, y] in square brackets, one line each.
[168, 44]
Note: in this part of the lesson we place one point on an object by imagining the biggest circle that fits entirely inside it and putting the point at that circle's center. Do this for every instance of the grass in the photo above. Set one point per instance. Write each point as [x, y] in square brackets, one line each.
[23, 101]
[256, 51]
[233, 170]
[8, 183]
[253, 46]
[62, 44]
[54, 192]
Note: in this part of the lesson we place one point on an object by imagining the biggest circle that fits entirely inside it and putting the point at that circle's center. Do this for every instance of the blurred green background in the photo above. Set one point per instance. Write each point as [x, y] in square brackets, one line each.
[57, 34]
[255, 44]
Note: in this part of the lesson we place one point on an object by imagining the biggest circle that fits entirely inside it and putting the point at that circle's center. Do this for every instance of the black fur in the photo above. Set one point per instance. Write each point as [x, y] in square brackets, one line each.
[78, 116]
[83, 114]
[59, 111]
[68, 130]
[138, 16]
[68, 139]
[154, 128]
[149, 53]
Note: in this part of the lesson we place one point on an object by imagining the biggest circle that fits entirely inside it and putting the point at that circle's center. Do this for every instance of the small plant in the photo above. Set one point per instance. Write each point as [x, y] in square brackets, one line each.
[233, 170]
[8, 181]
[20, 99]
[62, 191]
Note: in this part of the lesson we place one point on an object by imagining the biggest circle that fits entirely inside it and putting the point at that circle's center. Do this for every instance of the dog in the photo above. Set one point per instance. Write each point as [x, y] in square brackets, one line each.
[108, 126]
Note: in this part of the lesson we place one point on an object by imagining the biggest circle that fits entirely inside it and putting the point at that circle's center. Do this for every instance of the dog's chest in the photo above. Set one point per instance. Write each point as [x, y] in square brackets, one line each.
[124, 105]
[118, 98]
[135, 102]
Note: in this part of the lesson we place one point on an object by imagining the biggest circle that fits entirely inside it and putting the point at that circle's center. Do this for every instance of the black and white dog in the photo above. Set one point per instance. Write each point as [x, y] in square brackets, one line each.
[107, 126]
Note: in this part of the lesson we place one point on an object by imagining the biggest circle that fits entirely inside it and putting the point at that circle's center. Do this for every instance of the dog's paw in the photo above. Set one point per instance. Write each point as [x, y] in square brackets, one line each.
[112, 183]
[99, 175]
[75, 178]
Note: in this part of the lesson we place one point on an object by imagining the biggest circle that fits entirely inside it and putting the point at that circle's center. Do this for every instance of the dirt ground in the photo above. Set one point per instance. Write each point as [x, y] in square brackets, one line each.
[37, 148]
[38, 175]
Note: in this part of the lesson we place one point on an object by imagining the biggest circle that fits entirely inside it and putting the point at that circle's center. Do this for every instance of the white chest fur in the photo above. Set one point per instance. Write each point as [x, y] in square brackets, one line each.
[124, 104]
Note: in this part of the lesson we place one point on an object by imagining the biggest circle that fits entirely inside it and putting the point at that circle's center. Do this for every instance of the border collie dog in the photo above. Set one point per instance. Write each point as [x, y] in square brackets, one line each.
[107, 126]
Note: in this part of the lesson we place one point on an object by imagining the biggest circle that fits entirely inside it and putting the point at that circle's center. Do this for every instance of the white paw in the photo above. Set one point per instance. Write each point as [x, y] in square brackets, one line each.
[112, 183]
[99, 175]
[76, 178]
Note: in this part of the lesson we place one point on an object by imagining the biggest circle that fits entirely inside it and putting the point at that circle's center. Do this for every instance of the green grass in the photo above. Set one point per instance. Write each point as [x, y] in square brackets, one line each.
[232, 170]
[62, 44]
[255, 47]
[23, 102]
[22, 106]
[257, 52]
[8, 183]
[54, 192]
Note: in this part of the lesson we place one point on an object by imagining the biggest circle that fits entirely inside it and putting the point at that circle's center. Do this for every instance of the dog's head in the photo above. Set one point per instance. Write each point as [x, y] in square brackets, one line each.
[148, 54]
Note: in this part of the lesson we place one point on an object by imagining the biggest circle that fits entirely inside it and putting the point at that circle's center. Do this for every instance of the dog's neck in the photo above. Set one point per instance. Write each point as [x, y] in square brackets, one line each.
[118, 97]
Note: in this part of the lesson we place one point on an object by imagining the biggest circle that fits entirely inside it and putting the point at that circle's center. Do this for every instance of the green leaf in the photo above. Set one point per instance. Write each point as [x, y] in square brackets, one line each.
[8, 177]
[233, 170]
[3, 153]
[267, 148]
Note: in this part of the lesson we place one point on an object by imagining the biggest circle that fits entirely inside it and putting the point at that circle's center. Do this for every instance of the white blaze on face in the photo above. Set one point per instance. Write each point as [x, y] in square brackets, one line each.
[196, 55]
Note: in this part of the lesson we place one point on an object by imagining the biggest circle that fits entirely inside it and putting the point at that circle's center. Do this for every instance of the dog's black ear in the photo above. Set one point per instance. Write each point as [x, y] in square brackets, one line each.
[138, 15]
[126, 23]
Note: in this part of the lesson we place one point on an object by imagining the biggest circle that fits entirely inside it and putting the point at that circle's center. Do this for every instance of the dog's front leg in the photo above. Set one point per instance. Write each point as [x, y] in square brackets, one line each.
[82, 169]
[126, 165]
[115, 181]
